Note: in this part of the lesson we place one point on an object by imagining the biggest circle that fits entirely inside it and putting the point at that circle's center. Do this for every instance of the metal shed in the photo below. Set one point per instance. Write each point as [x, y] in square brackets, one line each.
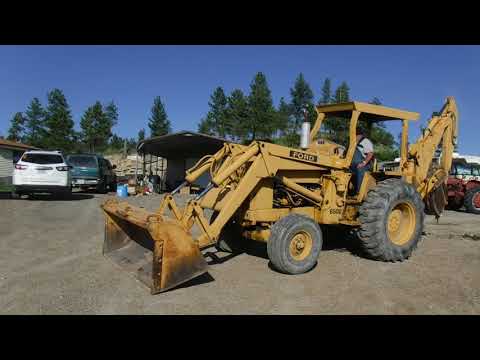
[169, 156]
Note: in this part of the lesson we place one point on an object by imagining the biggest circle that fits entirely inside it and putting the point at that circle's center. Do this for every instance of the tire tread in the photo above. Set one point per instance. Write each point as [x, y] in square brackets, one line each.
[468, 200]
[373, 211]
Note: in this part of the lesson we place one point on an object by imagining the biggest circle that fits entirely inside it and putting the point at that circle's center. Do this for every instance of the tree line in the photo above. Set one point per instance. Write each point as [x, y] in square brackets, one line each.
[52, 127]
[245, 117]
[236, 117]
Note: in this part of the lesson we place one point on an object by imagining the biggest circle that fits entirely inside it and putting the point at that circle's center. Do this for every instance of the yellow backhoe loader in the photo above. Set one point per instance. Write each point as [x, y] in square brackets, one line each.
[280, 195]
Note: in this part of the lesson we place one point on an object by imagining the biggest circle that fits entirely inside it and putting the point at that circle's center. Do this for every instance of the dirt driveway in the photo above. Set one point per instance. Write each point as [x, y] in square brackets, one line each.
[51, 263]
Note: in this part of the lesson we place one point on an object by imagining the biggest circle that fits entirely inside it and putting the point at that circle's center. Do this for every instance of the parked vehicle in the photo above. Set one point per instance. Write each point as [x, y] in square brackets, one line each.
[464, 186]
[42, 171]
[92, 171]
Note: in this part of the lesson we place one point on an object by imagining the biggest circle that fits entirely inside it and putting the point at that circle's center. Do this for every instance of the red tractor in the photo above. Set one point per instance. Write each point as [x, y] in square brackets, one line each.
[464, 186]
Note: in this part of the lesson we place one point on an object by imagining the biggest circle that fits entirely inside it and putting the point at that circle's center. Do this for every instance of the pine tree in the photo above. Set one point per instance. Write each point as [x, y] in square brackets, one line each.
[59, 122]
[207, 125]
[342, 94]
[131, 144]
[237, 113]
[326, 93]
[111, 113]
[337, 127]
[116, 143]
[97, 123]
[95, 127]
[285, 125]
[283, 116]
[141, 135]
[15, 133]
[261, 119]
[109, 120]
[217, 122]
[35, 124]
[385, 145]
[158, 121]
[301, 100]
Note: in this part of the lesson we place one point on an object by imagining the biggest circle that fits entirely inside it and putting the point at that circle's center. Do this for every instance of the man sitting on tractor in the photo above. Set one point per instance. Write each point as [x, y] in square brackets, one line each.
[362, 159]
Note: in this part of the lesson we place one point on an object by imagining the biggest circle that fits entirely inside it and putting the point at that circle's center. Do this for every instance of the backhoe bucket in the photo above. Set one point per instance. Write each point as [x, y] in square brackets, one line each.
[160, 253]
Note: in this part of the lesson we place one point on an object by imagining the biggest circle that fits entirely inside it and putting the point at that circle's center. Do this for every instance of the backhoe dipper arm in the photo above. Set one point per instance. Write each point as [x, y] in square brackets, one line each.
[442, 129]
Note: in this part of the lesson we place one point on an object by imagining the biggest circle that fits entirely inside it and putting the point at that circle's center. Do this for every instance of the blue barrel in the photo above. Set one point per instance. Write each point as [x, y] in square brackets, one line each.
[122, 190]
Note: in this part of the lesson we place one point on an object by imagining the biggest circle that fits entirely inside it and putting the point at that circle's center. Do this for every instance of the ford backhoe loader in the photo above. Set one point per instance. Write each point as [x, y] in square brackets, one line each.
[282, 196]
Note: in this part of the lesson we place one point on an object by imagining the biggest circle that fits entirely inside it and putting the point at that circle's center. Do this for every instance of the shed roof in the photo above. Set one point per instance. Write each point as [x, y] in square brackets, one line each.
[181, 144]
[376, 112]
[16, 145]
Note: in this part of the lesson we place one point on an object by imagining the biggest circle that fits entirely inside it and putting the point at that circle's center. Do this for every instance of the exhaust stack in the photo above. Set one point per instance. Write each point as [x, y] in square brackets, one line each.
[305, 135]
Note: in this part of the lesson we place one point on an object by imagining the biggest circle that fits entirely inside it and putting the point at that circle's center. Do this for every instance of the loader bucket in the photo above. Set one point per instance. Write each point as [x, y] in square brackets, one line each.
[157, 251]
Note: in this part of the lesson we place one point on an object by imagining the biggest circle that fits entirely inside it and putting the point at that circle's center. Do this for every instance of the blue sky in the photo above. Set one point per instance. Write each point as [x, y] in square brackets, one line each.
[415, 78]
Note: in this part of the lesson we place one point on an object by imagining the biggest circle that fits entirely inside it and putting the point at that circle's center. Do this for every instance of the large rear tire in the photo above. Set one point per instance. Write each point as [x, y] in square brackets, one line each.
[391, 220]
[295, 243]
[472, 200]
[454, 205]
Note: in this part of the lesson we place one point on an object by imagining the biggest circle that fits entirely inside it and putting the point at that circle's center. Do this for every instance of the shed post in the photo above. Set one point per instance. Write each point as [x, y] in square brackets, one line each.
[136, 167]
[144, 167]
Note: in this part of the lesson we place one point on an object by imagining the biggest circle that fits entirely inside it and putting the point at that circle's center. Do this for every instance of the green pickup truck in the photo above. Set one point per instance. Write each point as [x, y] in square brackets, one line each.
[92, 171]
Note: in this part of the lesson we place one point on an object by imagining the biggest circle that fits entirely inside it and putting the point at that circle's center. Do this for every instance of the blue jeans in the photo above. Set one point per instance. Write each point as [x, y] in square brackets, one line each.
[359, 174]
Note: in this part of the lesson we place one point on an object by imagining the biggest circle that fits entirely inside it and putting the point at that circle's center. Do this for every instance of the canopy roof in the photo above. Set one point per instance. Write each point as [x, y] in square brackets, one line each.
[16, 145]
[375, 112]
[181, 145]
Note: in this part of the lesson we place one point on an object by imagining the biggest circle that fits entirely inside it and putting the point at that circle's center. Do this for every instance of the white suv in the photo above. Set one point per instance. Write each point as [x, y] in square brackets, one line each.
[42, 171]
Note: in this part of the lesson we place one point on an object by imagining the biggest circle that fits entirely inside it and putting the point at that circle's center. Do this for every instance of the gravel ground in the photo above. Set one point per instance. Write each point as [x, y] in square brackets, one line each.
[51, 263]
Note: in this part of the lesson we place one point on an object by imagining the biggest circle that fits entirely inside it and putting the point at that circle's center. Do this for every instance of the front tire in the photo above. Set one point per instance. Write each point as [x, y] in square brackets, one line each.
[102, 187]
[67, 195]
[113, 187]
[16, 195]
[391, 220]
[472, 200]
[294, 245]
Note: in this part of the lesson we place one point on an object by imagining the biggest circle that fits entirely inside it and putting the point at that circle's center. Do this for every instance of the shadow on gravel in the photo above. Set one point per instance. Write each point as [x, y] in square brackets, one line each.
[339, 239]
[271, 267]
[256, 248]
[334, 239]
[48, 197]
[215, 259]
[199, 280]
[93, 192]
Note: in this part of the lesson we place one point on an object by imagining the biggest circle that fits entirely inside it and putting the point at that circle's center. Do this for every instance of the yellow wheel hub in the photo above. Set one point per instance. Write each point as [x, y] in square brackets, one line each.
[301, 245]
[401, 223]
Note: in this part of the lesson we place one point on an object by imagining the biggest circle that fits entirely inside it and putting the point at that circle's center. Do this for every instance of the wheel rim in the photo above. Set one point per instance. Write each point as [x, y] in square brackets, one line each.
[401, 223]
[476, 201]
[301, 245]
